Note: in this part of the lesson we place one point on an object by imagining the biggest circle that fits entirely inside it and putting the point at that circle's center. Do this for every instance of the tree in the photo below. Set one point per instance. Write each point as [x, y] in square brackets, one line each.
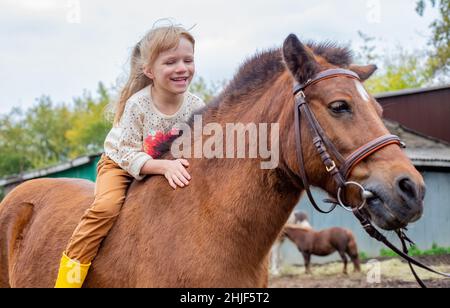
[367, 52]
[46, 125]
[206, 91]
[89, 125]
[48, 134]
[439, 57]
[14, 150]
[401, 71]
[397, 71]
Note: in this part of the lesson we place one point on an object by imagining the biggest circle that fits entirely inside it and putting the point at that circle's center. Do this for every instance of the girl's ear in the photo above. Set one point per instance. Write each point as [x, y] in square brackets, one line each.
[148, 72]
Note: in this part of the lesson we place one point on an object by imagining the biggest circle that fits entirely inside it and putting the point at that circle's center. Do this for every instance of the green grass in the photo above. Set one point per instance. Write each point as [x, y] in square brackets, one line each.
[363, 256]
[416, 252]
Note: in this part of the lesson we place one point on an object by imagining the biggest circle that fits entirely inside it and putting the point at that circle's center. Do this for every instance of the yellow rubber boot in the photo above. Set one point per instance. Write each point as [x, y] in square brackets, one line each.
[71, 273]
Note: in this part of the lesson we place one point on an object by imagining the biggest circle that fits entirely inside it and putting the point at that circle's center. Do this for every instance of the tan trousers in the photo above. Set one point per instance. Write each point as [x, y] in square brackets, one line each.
[110, 190]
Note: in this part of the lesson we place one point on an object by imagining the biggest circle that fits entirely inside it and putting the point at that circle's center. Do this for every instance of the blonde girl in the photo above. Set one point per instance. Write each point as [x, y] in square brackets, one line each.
[154, 101]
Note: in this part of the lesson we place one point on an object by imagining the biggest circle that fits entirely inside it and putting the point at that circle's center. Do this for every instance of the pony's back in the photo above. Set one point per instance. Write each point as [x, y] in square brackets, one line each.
[36, 221]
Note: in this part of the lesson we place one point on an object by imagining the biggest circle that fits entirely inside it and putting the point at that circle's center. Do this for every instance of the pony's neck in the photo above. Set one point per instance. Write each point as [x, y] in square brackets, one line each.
[298, 235]
[242, 207]
[250, 205]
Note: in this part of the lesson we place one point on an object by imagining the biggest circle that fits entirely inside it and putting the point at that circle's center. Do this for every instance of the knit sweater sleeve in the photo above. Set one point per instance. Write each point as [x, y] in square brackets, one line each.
[131, 156]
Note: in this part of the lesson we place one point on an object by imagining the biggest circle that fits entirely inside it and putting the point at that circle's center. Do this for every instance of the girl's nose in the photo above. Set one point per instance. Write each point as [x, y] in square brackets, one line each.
[181, 67]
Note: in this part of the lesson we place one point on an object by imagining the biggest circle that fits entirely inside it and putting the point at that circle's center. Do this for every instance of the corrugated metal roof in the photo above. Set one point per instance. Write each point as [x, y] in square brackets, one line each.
[424, 151]
[48, 171]
[414, 139]
[429, 157]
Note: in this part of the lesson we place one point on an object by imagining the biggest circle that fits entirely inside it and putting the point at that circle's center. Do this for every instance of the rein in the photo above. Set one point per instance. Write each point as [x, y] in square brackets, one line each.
[324, 146]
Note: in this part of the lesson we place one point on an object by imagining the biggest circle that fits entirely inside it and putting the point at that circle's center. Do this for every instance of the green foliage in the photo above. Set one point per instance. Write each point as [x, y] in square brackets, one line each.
[45, 124]
[89, 125]
[48, 134]
[405, 70]
[416, 252]
[13, 144]
[402, 71]
[439, 56]
[206, 91]
[387, 253]
[398, 71]
[2, 193]
[363, 256]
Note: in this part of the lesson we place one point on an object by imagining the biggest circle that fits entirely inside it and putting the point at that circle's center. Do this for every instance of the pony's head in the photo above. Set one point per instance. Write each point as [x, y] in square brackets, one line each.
[302, 220]
[301, 217]
[351, 118]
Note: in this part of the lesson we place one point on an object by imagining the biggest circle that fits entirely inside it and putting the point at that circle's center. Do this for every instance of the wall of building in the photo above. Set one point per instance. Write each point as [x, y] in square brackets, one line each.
[427, 112]
[86, 171]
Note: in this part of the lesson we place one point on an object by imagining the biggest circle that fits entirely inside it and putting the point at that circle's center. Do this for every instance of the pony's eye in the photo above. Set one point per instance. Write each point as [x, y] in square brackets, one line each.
[340, 107]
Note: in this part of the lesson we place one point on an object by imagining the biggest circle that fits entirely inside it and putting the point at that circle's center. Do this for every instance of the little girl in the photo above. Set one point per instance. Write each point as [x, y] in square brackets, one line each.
[153, 102]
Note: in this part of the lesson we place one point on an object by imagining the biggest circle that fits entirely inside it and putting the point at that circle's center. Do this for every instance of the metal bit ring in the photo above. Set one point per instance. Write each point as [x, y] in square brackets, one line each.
[363, 196]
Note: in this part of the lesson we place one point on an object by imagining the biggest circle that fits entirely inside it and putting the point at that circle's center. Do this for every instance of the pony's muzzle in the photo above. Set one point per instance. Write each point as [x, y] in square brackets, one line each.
[412, 195]
[395, 206]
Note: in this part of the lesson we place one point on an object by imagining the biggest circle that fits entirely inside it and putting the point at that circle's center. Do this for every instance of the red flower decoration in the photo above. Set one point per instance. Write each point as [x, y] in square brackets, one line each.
[154, 141]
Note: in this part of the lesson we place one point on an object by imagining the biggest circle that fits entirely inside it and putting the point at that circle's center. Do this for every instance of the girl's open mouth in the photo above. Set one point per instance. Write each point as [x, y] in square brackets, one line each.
[180, 80]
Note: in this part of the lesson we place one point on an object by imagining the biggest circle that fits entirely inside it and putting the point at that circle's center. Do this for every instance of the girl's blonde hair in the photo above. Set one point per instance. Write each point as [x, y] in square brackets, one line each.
[144, 55]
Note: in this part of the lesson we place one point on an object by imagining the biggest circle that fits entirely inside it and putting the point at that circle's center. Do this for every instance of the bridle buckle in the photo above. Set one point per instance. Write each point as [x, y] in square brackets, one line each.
[300, 94]
[332, 167]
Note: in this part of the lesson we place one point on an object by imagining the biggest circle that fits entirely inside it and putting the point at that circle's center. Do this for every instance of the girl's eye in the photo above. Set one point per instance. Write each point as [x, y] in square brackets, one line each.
[339, 107]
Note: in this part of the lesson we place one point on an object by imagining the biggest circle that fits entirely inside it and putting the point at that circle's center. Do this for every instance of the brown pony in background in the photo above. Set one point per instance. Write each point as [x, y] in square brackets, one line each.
[323, 243]
[276, 258]
[218, 231]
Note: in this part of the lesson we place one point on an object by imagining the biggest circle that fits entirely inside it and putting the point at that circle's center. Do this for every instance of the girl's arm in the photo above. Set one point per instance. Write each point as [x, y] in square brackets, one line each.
[174, 171]
[153, 166]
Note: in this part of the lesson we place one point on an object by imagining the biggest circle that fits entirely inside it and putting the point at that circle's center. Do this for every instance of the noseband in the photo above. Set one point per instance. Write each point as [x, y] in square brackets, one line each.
[340, 168]
[336, 165]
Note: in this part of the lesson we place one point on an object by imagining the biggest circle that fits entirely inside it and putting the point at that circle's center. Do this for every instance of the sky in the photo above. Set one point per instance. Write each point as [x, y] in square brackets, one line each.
[62, 48]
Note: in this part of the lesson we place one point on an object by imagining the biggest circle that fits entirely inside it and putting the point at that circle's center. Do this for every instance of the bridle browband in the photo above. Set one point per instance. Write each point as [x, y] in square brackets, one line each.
[340, 168]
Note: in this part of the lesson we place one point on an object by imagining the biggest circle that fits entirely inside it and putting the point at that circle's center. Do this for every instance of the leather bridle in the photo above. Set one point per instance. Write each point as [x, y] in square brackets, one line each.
[335, 164]
[340, 168]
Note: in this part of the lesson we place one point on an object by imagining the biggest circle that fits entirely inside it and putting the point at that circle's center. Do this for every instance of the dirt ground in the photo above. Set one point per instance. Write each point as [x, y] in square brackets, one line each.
[384, 273]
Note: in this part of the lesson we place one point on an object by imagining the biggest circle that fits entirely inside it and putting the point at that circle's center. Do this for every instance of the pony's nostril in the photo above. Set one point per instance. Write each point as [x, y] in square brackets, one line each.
[407, 189]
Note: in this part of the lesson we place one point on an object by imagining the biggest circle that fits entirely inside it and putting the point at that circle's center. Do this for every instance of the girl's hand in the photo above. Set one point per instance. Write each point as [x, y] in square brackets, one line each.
[176, 173]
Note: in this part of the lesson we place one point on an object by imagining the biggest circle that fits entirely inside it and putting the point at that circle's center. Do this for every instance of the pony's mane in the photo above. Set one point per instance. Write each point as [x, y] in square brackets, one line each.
[266, 66]
[261, 69]
[333, 53]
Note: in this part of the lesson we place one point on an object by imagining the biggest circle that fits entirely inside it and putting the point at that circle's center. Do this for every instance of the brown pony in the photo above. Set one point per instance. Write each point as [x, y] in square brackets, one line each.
[323, 243]
[218, 231]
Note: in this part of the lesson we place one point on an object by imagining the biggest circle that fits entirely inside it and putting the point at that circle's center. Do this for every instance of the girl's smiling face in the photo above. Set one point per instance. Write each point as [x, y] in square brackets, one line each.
[173, 70]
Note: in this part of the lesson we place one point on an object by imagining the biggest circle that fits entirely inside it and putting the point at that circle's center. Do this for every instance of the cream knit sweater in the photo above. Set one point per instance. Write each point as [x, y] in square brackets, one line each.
[124, 143]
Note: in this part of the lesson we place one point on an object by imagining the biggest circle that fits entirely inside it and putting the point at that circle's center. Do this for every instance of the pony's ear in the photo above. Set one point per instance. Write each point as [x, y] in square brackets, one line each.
[364, 72]
[299, 60]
